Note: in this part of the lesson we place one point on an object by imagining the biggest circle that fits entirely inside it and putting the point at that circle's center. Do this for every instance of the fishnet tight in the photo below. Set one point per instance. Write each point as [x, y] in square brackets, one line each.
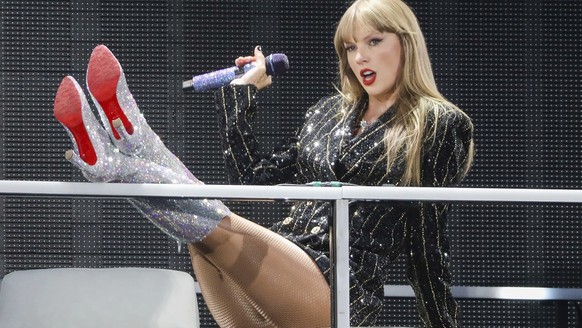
[252, 277]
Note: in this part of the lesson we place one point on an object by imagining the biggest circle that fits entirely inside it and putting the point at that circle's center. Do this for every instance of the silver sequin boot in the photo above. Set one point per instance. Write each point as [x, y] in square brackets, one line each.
[186, 220]
[120, 114]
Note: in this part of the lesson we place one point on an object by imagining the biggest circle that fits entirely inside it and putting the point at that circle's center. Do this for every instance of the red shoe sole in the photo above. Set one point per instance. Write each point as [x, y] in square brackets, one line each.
[103, 73]
[68, 111]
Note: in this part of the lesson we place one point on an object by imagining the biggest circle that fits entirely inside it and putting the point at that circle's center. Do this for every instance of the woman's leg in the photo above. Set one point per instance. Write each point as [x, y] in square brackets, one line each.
[250, 276]
[253, 277]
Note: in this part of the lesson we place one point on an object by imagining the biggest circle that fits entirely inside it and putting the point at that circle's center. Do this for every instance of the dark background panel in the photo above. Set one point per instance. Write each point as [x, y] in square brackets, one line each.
[513, 66]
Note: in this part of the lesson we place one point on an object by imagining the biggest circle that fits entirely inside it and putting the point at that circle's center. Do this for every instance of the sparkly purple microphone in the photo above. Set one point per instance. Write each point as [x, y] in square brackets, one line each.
[276, 64]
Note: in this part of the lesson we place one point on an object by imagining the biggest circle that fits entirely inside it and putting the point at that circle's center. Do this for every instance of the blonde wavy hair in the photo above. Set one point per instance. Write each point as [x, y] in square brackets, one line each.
[416, 88]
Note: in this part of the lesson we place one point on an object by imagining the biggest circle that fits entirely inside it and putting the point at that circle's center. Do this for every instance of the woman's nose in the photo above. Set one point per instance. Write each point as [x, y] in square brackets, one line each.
[361, 57]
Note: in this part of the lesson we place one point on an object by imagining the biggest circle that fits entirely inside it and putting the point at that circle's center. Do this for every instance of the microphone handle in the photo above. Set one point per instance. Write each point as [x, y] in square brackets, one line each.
[217, 79]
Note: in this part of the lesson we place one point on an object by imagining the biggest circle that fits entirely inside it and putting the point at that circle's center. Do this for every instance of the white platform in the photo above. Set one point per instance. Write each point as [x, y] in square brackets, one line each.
[98, 298]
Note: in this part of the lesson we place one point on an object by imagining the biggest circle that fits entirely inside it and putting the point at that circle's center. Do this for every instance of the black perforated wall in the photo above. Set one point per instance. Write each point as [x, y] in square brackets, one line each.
[514, 66]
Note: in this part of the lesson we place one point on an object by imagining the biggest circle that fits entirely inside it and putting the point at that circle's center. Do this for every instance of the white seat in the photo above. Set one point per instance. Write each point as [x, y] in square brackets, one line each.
[116, 297]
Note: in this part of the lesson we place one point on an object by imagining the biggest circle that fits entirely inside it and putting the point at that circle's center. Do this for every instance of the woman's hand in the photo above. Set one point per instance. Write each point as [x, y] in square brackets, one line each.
[257, 75]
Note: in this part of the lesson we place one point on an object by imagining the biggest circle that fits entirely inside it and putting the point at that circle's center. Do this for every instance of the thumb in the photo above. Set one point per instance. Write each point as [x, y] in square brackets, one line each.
[259, 57]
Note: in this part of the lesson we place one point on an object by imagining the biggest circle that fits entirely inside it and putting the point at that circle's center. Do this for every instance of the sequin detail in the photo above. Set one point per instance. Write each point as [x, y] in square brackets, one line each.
[186, 220]
[325, 149]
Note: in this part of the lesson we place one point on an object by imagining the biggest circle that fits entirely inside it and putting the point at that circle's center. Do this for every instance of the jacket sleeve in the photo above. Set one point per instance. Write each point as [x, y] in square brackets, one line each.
[444, 164]
[236, 109]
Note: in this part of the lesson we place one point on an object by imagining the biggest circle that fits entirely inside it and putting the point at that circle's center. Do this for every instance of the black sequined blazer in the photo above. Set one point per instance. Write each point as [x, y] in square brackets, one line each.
[325, 149]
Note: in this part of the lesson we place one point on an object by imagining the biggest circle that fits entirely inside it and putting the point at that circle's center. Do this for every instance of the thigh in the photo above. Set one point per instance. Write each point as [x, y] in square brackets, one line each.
[228, 303]
[255, 274]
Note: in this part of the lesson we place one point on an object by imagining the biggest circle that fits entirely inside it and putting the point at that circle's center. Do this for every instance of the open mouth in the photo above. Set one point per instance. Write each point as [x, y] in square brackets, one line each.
[368, 76]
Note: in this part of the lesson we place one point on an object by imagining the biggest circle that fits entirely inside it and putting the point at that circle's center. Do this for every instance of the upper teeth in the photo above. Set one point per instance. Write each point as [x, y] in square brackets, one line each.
[366, 73]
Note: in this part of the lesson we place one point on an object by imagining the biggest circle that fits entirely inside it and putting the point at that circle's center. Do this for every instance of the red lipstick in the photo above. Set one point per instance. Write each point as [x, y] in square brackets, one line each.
[368, 76]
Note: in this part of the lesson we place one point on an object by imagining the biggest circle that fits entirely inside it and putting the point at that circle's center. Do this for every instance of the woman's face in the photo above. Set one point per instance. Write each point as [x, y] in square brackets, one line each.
[375, 59]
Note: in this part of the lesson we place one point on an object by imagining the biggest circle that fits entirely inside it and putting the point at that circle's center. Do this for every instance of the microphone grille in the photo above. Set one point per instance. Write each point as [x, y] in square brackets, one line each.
[277, 64]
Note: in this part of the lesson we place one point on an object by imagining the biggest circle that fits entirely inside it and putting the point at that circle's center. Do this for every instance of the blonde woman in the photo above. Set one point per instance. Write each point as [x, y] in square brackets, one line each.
[388, 124]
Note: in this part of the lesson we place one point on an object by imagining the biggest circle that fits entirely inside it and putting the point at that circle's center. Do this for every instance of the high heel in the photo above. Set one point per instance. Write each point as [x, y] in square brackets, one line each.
[121, 116]
[93, 152]
[186, 220]
[68, 109]
[104, 74]
[91, 143]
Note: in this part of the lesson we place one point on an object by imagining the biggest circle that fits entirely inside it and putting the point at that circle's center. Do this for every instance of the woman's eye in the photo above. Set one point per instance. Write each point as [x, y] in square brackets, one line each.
[374, 42]
[350, 47]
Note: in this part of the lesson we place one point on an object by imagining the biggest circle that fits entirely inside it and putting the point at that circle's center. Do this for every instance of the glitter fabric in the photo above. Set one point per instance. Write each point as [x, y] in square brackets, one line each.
[275, 64]
[143, 142]
[326, 149]
[186, 220]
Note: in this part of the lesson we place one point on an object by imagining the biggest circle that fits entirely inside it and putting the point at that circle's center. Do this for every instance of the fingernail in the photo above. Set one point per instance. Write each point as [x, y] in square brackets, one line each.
[260, 49]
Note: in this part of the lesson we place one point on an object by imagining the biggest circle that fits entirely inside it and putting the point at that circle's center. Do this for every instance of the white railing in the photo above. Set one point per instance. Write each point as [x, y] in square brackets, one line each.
[339, 195]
